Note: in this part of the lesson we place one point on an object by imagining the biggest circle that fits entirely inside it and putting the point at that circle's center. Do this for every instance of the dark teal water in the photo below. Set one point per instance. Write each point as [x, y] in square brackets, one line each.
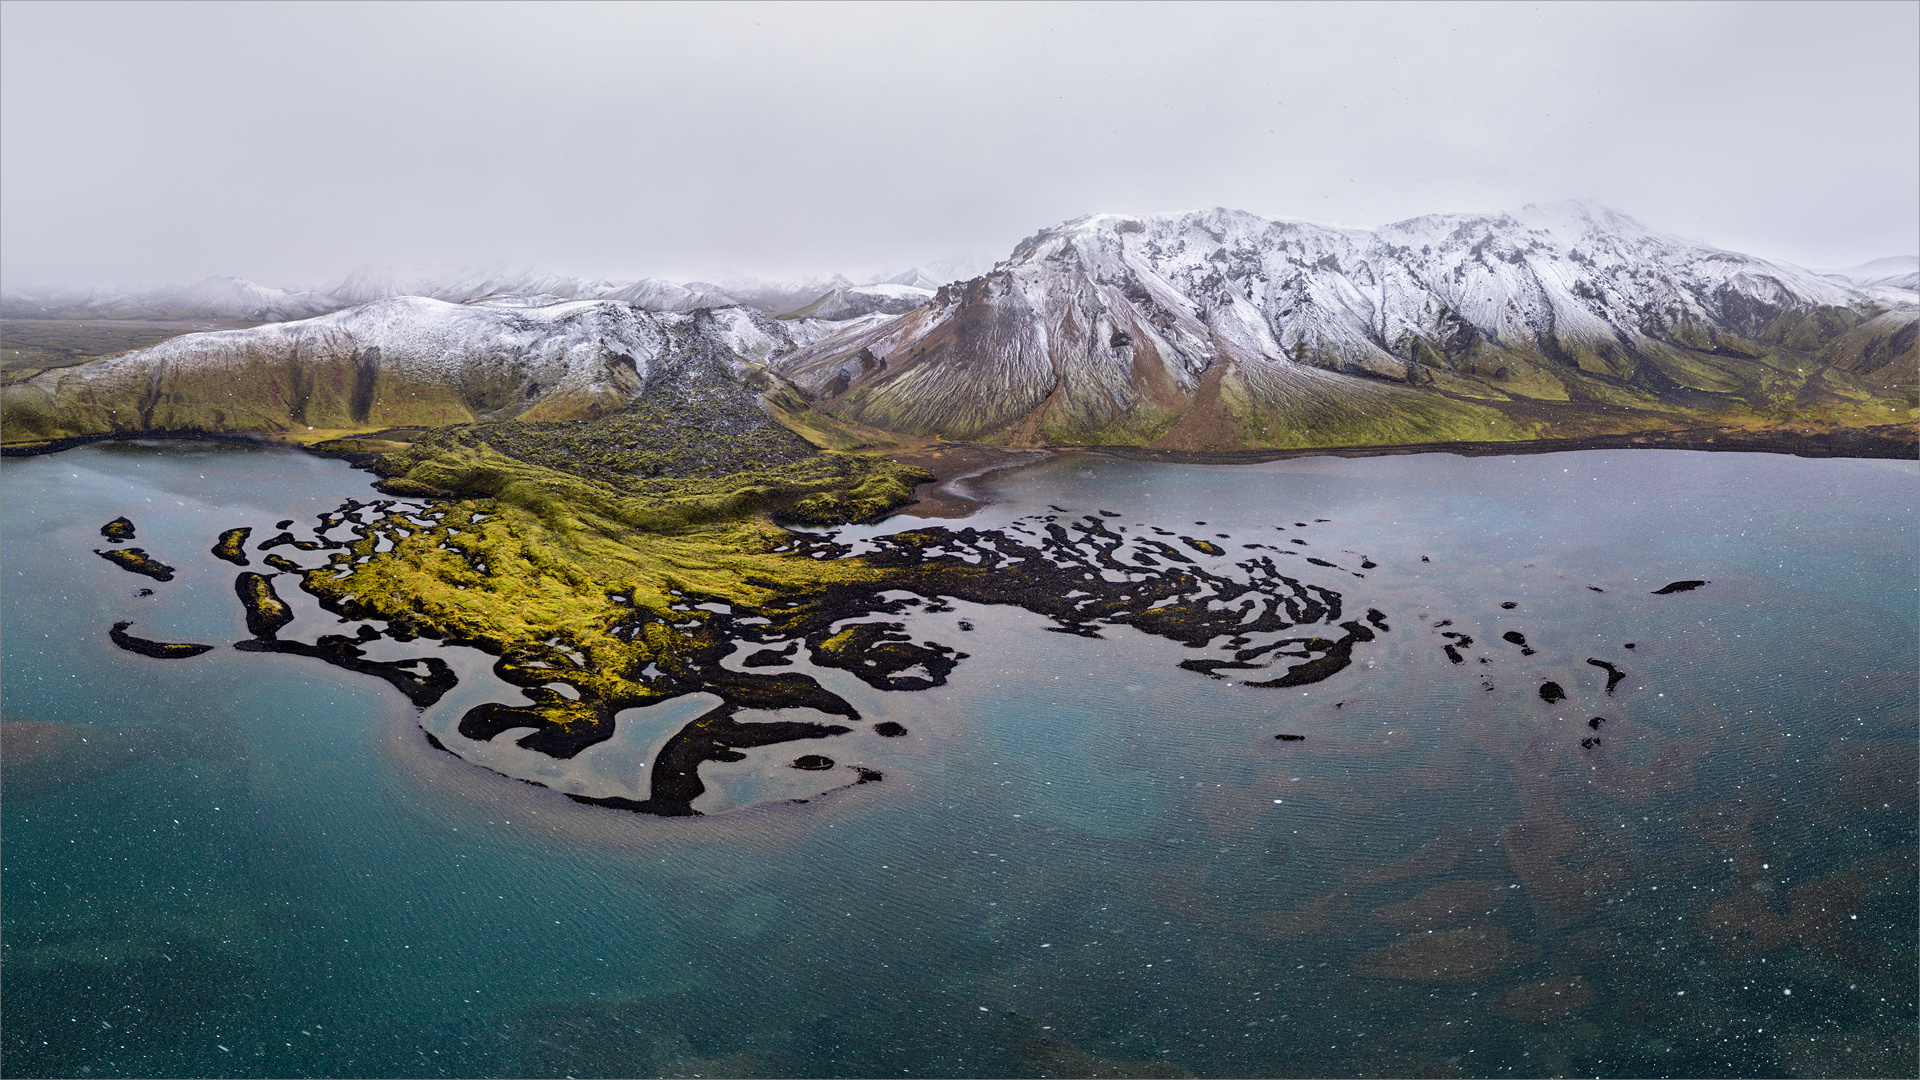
[1083, 859]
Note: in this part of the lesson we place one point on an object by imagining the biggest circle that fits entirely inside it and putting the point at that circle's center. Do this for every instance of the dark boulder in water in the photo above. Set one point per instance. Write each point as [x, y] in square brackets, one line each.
[1678, 586]
[1614, 674]
[1291, 738]
[889, 729]
[117, 530]
[1550, 692]
[813, 762]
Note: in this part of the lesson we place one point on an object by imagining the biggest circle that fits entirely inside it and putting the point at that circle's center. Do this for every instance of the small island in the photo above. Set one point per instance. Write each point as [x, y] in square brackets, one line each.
[159, 650]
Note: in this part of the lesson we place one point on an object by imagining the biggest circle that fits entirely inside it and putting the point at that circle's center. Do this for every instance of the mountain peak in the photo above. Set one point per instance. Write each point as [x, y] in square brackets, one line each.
[1121, 327]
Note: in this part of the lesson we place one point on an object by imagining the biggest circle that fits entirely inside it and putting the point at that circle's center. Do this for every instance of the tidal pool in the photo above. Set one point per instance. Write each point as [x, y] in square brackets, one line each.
[1083, 858]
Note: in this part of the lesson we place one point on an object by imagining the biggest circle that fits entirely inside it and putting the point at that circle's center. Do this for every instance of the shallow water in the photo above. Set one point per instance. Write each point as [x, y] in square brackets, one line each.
[1083, 858]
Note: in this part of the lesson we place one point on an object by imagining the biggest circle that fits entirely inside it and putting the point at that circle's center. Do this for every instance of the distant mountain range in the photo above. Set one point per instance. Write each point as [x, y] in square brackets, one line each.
[238, 298]
[1206, 331]
[1898, 272]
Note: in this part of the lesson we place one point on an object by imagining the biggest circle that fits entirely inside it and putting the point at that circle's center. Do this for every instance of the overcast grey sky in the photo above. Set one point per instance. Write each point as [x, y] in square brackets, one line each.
[155, 143]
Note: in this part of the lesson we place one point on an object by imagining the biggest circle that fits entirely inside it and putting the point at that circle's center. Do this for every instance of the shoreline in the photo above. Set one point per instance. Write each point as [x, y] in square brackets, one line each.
[244, 438]
[955, 462]
[1895, 441]
[952, 463]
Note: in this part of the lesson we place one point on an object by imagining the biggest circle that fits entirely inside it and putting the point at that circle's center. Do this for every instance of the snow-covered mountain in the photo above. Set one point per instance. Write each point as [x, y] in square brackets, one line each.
[1895, 272]
[1211, 330]
[526, 286]
[404, 361]
[854, 301]
[1220, 328]
[215, 297]
[237, 298]
[218, 297]
[790, 297]
[777, 296]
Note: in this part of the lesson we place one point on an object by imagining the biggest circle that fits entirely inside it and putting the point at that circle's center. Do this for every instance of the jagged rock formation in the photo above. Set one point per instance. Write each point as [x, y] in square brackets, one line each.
[400, 362]
[1220, 329]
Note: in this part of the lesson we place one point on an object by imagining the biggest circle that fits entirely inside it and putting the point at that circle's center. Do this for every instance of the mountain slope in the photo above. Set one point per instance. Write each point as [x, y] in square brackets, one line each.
[399, 362]
[522, 287]
[854, 301]
[1897, 272]
[1207, 331]
[1220, 329]
[214, 297]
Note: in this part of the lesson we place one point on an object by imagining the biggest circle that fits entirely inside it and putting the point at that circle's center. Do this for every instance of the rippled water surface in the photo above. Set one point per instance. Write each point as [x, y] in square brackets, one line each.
[1083, 859]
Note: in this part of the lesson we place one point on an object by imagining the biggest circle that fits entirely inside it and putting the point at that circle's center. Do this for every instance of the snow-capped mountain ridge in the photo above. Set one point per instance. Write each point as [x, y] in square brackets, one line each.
[1208, 330]
[1897, 272]
[523, 286]
[1116, 319]
[396, 362]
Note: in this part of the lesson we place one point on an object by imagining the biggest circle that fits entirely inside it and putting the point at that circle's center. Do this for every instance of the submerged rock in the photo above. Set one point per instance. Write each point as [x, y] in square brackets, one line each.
[1614, 674]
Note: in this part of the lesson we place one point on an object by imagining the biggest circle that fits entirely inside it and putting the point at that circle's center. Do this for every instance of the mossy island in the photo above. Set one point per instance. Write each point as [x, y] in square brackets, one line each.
[158, 650]
[137, 561]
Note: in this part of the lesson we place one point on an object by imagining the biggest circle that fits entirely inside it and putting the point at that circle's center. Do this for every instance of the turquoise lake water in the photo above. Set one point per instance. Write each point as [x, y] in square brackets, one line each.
[1083, 859]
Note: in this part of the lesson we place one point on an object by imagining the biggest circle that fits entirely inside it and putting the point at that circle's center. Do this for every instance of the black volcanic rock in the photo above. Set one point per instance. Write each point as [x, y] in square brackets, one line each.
[136, 561]
[159, 650]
